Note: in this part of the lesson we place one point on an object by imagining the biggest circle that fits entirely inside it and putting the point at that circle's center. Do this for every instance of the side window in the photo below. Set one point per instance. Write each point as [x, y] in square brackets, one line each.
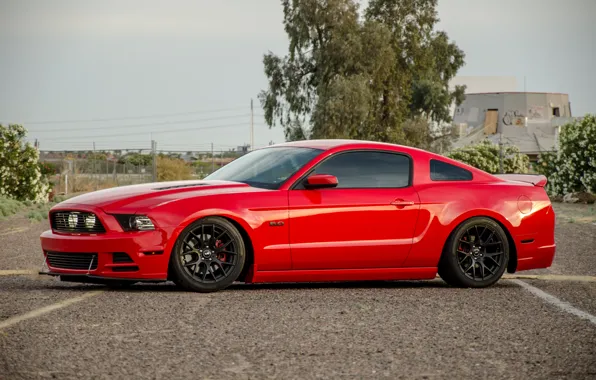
[442, 171]
[368, 169]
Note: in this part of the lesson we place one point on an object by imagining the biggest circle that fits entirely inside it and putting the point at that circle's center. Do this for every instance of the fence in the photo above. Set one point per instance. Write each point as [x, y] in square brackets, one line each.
[76, 175]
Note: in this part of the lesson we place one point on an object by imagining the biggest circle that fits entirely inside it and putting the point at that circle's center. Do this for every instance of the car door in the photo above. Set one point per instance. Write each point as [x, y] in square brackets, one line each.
[366, 221]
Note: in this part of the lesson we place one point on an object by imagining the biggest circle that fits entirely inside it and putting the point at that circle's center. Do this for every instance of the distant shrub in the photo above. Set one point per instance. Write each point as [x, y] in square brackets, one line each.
[485, 156]
[10, 206]
[172, 169]
[573, 167]
[21, 177]
[48, 168]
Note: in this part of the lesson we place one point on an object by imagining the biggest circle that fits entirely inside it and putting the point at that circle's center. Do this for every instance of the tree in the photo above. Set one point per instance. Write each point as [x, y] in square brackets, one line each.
[347, 76]
[573, 167]
[485, 156]
[20, 174]
[136, 159]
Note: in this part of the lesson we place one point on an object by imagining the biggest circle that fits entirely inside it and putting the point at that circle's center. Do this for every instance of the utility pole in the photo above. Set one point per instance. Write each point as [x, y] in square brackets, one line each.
[212, 159]
[252, 128]
[94, 169]
[501, 152]
[154, 154]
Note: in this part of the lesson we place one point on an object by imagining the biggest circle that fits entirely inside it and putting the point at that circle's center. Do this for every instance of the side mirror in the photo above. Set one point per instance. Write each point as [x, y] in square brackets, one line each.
[320, 181]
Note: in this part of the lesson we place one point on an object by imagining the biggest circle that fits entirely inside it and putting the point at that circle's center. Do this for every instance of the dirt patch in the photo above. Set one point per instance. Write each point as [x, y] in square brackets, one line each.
[575, 213]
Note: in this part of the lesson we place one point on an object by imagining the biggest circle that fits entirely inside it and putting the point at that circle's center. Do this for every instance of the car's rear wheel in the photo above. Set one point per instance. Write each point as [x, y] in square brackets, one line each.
[208, 255]
[476, 254]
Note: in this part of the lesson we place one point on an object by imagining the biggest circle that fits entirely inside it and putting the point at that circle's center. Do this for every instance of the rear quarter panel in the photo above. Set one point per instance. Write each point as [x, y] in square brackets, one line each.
[522, 209]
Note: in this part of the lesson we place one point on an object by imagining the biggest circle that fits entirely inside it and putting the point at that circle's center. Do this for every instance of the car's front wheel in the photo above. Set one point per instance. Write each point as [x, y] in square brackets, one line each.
[476, 254]
[208, 255]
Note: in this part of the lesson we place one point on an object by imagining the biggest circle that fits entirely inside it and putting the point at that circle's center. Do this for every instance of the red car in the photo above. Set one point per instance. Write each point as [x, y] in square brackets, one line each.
[319, 210]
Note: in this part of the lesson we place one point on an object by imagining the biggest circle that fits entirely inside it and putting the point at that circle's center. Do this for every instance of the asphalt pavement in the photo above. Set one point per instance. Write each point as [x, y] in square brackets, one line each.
[544, 328]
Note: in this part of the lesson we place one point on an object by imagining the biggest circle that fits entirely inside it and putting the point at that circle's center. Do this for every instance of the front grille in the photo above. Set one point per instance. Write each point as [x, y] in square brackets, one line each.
[121, 257]
[78, 261]
[76, 221]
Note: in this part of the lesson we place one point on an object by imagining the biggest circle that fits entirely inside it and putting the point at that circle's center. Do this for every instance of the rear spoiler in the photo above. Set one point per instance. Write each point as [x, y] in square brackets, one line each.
[535, 179]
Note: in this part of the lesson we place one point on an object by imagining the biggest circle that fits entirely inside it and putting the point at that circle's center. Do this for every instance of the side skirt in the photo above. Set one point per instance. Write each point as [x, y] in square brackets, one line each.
[326, 275]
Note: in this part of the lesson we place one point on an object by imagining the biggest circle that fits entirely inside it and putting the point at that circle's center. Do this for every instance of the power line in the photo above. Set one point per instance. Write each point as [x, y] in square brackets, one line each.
[132, 117]
[142, 125]
[146, 132]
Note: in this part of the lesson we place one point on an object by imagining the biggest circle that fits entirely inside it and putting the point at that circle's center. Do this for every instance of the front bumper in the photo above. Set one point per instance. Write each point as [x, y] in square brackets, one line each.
[139, 255]
[147, 251]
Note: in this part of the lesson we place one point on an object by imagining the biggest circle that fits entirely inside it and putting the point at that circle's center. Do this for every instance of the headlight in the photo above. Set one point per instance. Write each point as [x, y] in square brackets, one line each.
[135, 222]
[141, 223]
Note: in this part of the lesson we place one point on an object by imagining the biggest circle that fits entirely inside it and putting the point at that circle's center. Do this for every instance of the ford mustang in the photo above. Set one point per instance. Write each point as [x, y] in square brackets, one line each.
[308, 211]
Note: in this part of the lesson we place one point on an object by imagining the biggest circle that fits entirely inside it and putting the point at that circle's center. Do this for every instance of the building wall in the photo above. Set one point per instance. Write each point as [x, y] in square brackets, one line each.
[513, 108]
[524, 119]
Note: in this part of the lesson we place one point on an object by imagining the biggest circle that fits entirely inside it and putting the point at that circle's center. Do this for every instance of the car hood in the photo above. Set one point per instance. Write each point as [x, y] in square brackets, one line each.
[150, 195]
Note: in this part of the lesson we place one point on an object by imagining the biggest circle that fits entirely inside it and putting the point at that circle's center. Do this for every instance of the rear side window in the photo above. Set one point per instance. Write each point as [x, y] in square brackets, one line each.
[442, 171]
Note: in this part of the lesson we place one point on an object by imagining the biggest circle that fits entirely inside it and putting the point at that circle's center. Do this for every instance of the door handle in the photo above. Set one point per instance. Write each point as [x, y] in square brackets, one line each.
[402, 203]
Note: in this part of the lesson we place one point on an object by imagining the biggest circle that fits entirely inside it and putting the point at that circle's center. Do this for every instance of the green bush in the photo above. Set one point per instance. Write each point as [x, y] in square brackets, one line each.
[10, 206]
[485, 156]
[20, 175]
[573, 167]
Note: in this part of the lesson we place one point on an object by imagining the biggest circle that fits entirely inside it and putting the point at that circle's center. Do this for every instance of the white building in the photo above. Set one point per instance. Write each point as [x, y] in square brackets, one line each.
[528, 120]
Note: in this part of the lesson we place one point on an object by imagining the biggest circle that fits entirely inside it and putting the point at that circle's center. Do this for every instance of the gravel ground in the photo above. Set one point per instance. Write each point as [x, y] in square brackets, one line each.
[409, 330]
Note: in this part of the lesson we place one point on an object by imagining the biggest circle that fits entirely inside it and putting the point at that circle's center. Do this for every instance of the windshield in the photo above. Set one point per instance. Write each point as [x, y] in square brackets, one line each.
[267, 168]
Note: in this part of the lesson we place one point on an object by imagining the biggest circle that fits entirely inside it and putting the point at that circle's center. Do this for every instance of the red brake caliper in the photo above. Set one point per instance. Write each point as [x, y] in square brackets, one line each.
[220, 256]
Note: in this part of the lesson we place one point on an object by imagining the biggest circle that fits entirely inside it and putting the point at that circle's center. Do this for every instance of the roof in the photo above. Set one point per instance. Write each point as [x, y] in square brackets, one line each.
[333, 143]
[513, 92]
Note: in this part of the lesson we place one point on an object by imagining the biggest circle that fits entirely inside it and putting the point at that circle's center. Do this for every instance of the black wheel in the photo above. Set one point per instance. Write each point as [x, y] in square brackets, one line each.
[208, 256]
[476, 254]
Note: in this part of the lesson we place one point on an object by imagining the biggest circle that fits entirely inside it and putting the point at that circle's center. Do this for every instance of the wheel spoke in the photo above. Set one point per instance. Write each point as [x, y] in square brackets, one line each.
[489, 237]
[223, 247]
[221, 235]
[191, 263]
[488, 269]
[495, 261]
[220, 267]
[197, 238]
[188, 245]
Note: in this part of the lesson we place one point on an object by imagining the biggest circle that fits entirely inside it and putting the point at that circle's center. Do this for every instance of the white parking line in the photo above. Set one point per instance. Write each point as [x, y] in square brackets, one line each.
[557, 302]
[46, 309]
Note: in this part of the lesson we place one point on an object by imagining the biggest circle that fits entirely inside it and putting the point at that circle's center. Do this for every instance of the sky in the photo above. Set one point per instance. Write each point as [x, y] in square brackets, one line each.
[119, 73]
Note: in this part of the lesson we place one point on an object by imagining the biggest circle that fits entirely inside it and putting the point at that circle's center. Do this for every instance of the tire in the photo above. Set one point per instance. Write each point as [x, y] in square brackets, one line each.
[475, 255]
[208, 256]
